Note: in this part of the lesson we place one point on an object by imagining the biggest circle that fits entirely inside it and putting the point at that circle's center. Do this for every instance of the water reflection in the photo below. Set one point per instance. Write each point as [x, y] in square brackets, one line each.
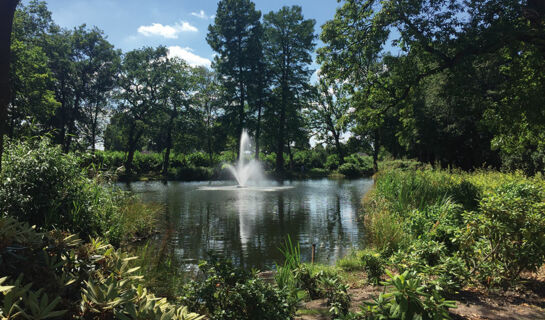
[248, 226]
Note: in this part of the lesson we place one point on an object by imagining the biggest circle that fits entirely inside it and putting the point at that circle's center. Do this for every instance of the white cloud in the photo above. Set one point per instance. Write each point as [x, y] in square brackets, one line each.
[200, 15]
[166, 31]
[187, 55]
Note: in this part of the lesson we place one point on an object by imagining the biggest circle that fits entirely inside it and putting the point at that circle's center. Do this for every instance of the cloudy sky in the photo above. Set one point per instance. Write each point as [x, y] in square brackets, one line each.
[180, 25]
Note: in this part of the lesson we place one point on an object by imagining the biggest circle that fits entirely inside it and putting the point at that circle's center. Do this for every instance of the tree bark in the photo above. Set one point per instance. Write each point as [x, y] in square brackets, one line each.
[258, 132]
[7, 10]
[166, 159]
[376, 149]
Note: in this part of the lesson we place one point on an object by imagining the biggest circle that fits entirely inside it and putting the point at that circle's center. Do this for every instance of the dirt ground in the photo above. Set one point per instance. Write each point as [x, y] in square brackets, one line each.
[525, 302]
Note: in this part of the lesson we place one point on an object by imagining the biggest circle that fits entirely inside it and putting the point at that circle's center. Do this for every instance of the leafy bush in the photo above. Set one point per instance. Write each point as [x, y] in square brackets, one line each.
[408, 299]
[46, 188]
[332, 162]
[198, 159]
[350, 170]
[336, 294]
[373, 264]
[226, 292]
[147, 162]
[54, 274]
[192, 173]
[506, 236]
[364, 164]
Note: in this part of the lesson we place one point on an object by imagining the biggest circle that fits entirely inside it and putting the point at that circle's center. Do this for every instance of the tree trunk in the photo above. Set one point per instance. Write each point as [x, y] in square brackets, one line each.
[338, 145]
[166, 159]
[7, 10]
[281, 133]
[376, 149]
[131, 148]
[258, 132]
[209, 138]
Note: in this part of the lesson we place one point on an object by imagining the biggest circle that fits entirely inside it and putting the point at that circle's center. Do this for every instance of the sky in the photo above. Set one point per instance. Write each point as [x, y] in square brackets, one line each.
[181, 25]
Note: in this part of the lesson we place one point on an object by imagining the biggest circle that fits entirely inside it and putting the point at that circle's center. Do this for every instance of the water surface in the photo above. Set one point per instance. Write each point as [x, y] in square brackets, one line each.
[248, 225]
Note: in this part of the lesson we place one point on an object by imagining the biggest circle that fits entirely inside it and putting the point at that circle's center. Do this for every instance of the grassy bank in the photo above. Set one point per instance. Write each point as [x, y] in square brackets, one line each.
[435, 237]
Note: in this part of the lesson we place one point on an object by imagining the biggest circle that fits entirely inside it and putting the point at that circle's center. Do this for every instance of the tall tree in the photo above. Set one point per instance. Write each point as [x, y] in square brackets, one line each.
[329, 115]
[289, 42]
[175, 101]
[235, 36]
[208, 100]
[7, 9]
[141, 81]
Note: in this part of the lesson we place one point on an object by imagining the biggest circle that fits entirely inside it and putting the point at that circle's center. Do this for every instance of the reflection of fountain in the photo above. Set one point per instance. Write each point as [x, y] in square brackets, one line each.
[245, 169]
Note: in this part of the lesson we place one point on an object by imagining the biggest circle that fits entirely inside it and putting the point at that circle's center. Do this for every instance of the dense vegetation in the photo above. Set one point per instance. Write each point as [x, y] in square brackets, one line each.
[450, 83]
[445, 82]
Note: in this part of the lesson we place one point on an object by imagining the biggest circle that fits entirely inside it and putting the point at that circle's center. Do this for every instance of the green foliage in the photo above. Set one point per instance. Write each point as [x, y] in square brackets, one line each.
[505, 237]
[332, 162]
[226, 292]
[49, 275]
[458, 227]
[47, 188]
[373, 264]
[408, 299]
[336, 294]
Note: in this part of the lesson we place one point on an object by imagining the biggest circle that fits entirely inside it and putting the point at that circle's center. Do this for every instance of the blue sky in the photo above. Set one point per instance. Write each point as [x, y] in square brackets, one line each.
[178, 24]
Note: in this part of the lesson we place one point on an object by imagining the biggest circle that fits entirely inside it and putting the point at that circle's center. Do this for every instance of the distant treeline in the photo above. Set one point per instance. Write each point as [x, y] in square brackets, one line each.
[463, 87]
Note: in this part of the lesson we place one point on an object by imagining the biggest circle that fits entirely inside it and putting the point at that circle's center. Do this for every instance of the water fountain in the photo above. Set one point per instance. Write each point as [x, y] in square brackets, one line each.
[247, 172]
[246, 169]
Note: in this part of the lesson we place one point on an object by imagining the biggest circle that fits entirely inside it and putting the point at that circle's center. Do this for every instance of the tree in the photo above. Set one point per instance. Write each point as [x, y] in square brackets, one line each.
[207, 99]
[235, 36]
[98, 64]
[141, 81]
[289, 42]
[7, 9]
[175, 100]
[86, 76]
[330, 114]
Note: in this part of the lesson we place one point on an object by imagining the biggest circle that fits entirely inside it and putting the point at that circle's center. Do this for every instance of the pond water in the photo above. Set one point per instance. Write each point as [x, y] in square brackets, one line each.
[249, 225]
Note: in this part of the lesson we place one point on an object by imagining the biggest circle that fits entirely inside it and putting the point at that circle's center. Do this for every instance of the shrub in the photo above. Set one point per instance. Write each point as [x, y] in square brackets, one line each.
[408, 299]
[373, 264]
[506, 236]
[350, 170]
[332, 162]
[198, 159]
[54, 274]
[363, 163]
[226, 292]
[45, 187]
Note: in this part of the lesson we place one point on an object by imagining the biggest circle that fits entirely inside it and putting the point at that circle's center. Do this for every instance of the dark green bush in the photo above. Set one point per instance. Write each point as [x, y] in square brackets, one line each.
[198, 159]
[332, 162]
[226, 292]
[147, 162]
[45, 187]
[192, 173]
[506, 236]
[373, 265]
[350, 170]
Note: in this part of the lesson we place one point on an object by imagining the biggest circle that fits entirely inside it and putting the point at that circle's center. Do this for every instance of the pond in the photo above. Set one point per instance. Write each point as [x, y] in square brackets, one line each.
[249, 225]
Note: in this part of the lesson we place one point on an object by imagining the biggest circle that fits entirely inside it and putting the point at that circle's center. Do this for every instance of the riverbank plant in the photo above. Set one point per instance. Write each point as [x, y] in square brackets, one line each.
[47, 188]
[457, 227]
[53, 275]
